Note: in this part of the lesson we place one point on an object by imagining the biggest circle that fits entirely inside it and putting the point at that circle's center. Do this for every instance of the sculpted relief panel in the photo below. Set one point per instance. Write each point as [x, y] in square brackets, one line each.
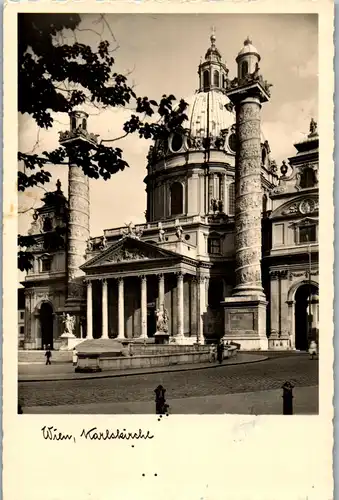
[124, 255]
[248, 111]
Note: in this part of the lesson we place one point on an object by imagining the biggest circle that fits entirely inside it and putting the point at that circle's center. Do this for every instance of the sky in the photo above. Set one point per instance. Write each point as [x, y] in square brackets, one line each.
[161, 54]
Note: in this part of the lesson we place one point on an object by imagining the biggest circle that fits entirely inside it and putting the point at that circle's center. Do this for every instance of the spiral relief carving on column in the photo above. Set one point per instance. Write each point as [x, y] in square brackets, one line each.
[78, 228]
[248, 199]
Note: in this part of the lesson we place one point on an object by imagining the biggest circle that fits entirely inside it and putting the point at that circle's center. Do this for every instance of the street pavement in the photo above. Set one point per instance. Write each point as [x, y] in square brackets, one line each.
[253, 388]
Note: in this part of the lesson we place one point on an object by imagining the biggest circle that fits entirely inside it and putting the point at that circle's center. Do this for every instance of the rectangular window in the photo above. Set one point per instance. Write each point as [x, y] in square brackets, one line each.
[307, 234]
[214, 246]
[22, 315]
[22, 330]
[46, 265]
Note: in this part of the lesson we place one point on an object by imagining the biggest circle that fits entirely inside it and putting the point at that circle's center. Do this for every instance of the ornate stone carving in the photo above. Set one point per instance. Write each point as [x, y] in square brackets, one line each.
[124, 254]
[305, 207]
[279, 274]
[132, 231]
[248, 197]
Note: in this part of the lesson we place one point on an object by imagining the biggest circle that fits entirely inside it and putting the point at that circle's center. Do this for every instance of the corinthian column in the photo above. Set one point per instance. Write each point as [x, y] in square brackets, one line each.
[161, 290]
[89, 311]
[248, 199]
[180, 304]
[104, 310]
[143, 281]
[121, 309]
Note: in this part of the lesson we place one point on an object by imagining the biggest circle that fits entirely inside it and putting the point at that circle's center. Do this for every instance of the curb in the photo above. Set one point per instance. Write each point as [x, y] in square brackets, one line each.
[145, 372]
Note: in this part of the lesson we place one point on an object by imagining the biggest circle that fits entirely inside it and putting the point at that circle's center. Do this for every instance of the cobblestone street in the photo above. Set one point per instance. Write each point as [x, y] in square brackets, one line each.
[263, 376]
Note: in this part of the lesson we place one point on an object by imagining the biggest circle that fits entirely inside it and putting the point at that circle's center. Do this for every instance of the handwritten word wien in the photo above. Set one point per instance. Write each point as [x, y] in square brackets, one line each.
[94, 434]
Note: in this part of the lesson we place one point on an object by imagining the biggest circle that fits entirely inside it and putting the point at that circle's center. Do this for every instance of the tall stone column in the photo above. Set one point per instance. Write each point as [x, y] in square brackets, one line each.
[104, 334]
[121, 309]
[180, 304]
[161, 290]
[245, 311]
[143, 281]
[89, 311]
[78, 213]
[248, 197]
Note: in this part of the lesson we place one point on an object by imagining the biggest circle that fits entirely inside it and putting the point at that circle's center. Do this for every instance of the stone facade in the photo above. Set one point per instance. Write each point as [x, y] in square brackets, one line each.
[224, 234]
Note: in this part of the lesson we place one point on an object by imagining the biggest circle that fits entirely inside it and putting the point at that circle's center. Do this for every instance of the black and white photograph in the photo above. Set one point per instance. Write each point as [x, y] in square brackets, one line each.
[168, 214]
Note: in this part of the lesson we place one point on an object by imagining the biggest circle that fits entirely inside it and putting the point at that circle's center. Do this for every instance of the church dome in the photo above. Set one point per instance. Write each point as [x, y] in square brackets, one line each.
[207, 114]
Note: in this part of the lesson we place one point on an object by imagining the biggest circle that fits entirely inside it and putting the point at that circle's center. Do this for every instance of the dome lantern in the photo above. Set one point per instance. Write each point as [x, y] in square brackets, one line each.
[212, 71]
[248, 59]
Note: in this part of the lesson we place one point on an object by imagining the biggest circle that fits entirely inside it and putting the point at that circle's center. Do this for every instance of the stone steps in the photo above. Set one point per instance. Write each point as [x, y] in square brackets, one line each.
[39, 356]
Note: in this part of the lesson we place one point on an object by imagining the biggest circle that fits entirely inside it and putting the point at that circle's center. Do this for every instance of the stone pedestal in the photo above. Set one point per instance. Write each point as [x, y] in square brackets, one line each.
[245, 322]
[69, 341]
[161, 337]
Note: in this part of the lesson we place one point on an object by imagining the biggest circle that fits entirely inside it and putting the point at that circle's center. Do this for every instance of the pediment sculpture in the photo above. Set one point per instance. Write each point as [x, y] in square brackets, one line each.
[124, 254]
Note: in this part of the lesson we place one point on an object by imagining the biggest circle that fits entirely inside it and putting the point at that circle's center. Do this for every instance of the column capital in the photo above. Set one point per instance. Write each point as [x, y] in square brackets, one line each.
[201, 279]
[88, 281]
[142, 277]
[103, 281]
[160, 276]
[120, 280]
[180, 275]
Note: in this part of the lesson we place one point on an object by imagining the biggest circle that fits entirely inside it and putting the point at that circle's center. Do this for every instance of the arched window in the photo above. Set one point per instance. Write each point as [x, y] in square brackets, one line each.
[177, 199]
[264, 204]
[244, 69]
[206, 80]
[307, 179]
[214, 245]
[84, 123]
[47, 224]
[216, 79]
[45, 264]
[73, 123]
[231, 199]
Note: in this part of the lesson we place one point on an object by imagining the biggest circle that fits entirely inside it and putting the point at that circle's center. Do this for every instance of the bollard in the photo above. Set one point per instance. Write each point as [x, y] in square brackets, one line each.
[287, 398]
[160, 401]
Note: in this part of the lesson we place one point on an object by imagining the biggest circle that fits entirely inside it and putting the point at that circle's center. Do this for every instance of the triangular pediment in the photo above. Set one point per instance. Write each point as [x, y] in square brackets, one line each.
[129, 250]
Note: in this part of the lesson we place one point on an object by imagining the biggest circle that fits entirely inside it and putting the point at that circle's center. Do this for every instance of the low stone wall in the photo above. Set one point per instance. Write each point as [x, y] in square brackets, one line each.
[88, 362]
[150, 350]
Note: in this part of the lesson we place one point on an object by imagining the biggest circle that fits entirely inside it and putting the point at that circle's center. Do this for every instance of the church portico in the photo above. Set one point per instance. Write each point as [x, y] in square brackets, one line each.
[120, 306]
[131, 280]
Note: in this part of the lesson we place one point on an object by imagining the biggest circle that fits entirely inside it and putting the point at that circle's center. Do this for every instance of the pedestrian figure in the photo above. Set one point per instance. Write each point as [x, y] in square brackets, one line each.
[313, 351]
[220, 351]
[75, 357]
[212, 353]
[48, 355]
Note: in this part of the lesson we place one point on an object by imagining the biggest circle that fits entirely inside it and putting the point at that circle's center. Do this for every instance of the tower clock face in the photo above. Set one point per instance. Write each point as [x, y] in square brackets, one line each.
[177, 142]
[232, 143]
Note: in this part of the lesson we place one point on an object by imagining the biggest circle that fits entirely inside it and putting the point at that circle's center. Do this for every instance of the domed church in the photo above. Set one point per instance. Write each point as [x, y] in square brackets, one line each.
[229, 247]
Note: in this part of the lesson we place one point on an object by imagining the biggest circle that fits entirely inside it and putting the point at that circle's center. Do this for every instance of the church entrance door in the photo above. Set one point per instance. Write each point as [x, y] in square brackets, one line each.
[151, 321]
[303, 321]
[46, 324]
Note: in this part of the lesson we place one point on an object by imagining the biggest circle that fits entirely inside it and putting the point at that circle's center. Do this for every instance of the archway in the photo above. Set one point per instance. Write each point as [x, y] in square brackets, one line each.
[46, 325]
[305, 316]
